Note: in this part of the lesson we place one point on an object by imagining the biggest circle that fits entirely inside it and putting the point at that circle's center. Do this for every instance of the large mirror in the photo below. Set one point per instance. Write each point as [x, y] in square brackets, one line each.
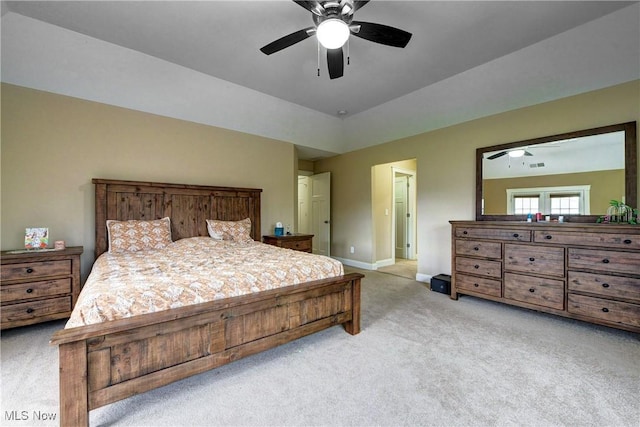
[574, 174]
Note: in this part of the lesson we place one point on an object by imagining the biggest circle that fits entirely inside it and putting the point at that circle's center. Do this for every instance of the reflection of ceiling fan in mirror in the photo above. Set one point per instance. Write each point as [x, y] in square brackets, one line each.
[515, 153]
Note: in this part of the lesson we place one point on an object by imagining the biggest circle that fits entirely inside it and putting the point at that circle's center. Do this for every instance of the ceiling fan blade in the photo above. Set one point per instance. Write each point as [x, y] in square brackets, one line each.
[382, 34]
[495, 156]
[358, 4]
[287, 41]
[526, 153]
[335, 63]
[311, 6]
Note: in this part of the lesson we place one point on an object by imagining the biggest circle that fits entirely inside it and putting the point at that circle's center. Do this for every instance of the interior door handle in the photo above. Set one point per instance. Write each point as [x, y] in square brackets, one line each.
[326, 222]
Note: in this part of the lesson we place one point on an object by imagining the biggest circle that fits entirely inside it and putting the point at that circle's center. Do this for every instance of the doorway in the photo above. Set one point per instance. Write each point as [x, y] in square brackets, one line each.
[314, 210]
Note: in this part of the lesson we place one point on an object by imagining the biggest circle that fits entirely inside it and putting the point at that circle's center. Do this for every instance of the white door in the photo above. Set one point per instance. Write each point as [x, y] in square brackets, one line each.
[303, 205]
[321, 213]
[401, 199]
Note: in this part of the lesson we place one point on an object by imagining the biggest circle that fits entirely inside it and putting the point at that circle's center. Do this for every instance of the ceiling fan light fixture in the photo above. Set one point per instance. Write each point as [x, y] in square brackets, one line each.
[332, 33]
[516, 153]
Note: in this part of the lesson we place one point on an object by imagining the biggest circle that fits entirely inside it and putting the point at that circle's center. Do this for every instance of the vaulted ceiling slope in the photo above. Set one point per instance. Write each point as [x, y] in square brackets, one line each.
[200, 61]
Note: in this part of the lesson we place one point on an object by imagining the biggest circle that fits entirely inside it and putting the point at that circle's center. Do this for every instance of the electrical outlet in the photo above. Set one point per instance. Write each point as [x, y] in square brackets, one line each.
[352, 249]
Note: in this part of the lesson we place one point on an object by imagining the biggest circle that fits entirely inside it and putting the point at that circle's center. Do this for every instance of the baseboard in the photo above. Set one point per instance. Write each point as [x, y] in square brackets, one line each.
[420, 277]
[356, 264]
[384, 263]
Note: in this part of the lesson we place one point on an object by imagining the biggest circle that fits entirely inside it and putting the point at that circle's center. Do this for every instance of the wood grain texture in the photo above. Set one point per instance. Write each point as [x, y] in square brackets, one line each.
[107, 362]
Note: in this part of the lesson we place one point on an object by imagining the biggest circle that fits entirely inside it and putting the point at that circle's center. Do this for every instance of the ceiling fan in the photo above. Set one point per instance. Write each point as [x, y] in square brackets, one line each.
[518, 152]
[334, 19]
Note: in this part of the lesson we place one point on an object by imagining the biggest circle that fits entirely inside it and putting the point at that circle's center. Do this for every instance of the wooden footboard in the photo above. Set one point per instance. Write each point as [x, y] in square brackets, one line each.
[104, 363]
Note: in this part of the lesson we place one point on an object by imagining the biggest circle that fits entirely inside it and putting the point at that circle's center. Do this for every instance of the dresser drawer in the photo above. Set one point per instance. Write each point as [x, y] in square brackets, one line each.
[534, 259]
[479, 248]
[34, 309]
[479, 284]
[607, 261]
[33, 270]
[300, 245]
[608, 240]
[31, 290]
[479, 266]
[515, 234]
[534, 290]
[603, 309]
[607, 286]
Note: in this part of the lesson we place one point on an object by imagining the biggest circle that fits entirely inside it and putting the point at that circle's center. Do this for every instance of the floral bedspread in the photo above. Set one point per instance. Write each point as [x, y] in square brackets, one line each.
[190, 271]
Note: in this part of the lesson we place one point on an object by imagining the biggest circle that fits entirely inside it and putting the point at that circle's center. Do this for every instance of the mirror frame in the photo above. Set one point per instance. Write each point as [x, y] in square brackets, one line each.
[630, 170]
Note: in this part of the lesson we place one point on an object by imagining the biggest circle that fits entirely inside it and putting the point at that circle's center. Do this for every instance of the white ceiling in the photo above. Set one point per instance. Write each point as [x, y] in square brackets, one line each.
[450, 39]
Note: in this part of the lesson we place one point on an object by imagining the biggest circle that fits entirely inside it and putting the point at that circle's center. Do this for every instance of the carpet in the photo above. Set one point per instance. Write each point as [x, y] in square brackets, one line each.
[421, 359]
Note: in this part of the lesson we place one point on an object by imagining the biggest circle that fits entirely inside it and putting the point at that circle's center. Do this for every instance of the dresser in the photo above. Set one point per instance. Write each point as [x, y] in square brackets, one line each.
[589, 272]
[295, 241]
[38, 286]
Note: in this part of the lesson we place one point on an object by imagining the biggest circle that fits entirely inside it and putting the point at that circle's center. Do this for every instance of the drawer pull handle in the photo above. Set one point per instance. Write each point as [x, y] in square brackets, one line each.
[29, 290]
[532, 259]
[30, 310]
[606, 261]
[627, 241]
[475, 285]
[516, 235]
[605, 310]
[548, 237]
[476, 266]
[476, 248]
[532, 290]
[605, 285]
[29, 270]
[465, 232]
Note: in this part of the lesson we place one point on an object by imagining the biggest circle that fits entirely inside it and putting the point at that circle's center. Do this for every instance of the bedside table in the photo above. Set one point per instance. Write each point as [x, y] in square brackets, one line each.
[296, 241]
[37, 286]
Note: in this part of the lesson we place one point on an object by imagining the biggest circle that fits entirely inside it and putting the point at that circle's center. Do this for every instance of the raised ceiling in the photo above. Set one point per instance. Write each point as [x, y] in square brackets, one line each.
[222, 39]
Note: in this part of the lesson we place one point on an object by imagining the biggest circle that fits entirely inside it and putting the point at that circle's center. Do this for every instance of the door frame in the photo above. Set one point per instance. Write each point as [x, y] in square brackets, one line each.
[411, 195]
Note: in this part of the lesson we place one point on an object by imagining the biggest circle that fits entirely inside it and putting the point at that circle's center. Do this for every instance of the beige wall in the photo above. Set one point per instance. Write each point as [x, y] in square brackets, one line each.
[605, 186]
[446, 165]
[52, 146]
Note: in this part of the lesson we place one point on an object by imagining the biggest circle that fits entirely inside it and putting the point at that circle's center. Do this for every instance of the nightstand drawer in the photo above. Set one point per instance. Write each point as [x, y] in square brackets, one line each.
[36, 269]
[35, 309]
[610, 311]
[534, 290]
[32, 290]
[300, 245]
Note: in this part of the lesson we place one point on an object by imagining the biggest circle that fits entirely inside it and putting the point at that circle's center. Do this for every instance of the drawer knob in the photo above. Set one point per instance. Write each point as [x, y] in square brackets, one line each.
[605, 285]
[606, 261]
[29, 290]
[605, 310]
[532, 290]
[627, 241]
[548, 237]
[516, 235]
[476, 248]
[475, 285]
[29, 270]
[476, 266]
[532, 259]
[465, 232]
[30, 310]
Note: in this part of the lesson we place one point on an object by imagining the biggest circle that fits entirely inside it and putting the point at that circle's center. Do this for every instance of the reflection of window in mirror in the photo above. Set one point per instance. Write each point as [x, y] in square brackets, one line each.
[566, 200]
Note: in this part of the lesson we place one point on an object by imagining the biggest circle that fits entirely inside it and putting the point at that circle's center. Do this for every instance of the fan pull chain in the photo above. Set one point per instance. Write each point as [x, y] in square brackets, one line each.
[318, 58]
[348, 57]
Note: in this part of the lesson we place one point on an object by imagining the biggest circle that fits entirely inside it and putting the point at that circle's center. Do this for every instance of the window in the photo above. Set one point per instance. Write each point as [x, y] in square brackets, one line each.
[571, 200]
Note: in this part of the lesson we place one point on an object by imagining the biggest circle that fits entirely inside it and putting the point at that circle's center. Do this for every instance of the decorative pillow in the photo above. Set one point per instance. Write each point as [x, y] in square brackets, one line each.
[138, 235]
[238, 231]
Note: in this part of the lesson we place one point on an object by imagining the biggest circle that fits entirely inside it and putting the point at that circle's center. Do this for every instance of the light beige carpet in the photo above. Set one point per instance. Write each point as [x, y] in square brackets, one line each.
[421, 359]
[403, 268]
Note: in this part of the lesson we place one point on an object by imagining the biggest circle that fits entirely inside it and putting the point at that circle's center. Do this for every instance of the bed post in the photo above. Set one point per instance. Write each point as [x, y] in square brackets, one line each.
[353, 326]
[74, 397]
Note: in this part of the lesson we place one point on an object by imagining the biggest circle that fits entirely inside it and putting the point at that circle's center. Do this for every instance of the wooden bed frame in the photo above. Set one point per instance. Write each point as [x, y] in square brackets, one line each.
[110, 361]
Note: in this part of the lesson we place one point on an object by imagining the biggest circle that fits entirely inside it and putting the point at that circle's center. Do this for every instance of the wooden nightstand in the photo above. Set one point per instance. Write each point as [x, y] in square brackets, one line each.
[38, 286]
[296, 241]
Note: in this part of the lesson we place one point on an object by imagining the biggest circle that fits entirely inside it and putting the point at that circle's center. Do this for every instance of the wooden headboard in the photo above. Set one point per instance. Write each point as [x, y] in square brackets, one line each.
[188, 206]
